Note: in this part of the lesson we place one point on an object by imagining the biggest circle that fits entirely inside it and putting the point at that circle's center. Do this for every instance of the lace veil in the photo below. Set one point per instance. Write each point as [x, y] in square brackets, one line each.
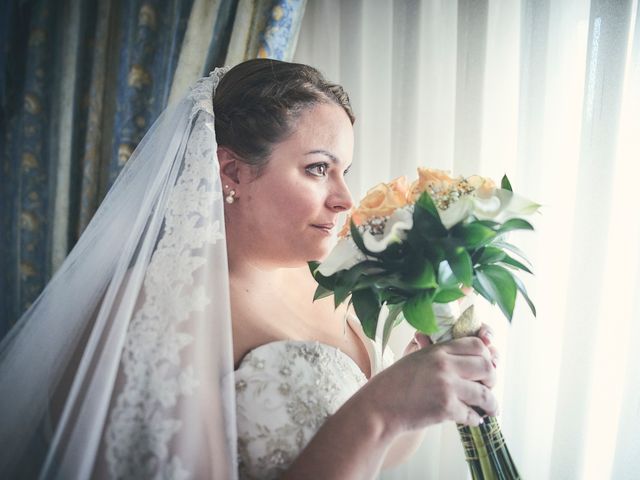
[123, 367]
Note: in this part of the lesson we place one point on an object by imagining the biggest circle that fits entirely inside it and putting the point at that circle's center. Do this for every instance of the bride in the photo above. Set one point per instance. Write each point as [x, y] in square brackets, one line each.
[179, 339]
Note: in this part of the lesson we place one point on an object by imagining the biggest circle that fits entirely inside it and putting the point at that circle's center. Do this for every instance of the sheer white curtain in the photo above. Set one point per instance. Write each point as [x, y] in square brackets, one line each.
[549, 93]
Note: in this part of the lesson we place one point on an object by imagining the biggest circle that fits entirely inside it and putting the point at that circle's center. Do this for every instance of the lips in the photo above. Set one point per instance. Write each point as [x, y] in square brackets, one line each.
[327, 227]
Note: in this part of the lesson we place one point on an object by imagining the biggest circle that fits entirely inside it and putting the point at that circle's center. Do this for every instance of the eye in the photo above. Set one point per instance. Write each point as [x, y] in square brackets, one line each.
[318, 169]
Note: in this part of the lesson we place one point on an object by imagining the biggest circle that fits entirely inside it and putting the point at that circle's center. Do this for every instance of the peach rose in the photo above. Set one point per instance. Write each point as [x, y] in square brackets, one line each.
[380, 201]
[484, 187]
[400, 186]
[437, 179]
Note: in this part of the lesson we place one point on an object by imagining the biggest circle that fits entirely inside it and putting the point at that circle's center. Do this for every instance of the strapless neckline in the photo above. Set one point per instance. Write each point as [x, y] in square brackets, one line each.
[283, 343]
[369, 345]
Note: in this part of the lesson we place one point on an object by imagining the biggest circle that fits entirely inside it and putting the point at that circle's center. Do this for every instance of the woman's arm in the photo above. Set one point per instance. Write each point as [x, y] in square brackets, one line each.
[429, 386]
[402, 448]
[351, 444]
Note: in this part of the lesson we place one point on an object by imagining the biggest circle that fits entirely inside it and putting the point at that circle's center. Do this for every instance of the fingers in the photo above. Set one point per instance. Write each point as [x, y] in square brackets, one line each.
[477, 368]
[466, 415]
[465, 346]
[471, 359]
[486, 334]
[411, 347]
[477, 395]
[494, 355]
[422, 340]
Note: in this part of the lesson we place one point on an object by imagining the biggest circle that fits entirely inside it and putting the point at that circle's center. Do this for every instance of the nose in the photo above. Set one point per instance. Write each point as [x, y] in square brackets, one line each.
[341, 199]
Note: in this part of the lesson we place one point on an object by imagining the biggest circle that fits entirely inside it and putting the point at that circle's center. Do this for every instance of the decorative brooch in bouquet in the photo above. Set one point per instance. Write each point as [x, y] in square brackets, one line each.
[415, 249]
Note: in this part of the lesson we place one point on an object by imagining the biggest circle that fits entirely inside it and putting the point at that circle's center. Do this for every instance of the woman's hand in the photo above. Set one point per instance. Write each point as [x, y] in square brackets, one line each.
[421, 340]
[434, 384]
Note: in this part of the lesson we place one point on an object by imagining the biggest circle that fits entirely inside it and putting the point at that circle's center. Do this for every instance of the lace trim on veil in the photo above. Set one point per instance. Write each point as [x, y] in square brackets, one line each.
[144, 418]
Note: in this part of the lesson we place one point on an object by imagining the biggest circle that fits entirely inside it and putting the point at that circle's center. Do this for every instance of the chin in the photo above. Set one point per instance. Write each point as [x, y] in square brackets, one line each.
[318, 254]
[312, 251]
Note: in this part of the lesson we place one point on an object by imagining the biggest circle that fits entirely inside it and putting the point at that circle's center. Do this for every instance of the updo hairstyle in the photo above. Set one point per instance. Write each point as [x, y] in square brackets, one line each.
[258, 101]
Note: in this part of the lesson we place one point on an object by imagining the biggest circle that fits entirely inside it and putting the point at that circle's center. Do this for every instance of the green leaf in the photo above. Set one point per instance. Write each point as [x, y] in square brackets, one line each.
[473, 234]
[327, 282]
[393, 319]
[488, 223]
[491, 254]
[426, 278]
[515, 263]
[346, 280]
[418, 311]
[357, 239]
[512, 248]
[506, 184]
[446, 278]
[480, 289]
[514, 224]
[340, 293]
[448, 295]
[460, 262]
[321, 292]
[391, 296]
[427, 224]
[524, 293]
[313, 266]
[367, 306]
[426, 202]
[371, 274]
[498, 282]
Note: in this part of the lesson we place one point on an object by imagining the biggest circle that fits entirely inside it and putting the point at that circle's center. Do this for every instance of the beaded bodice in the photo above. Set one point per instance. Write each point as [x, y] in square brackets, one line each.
[285, 390]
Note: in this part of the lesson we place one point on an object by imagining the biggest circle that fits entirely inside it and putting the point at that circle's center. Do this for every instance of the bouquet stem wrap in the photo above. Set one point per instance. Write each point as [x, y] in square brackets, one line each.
[484, 446]
[486, 451]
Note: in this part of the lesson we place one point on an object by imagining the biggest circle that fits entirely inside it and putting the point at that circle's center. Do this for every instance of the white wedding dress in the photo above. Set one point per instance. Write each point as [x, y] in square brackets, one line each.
[285, 390]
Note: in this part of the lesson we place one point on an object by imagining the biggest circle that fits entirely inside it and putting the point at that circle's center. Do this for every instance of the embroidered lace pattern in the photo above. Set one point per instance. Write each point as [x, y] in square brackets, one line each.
[285, 391]
[143, 420]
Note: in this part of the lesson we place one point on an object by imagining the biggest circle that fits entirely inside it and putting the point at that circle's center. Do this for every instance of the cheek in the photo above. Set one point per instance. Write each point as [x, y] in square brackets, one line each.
[296, 204]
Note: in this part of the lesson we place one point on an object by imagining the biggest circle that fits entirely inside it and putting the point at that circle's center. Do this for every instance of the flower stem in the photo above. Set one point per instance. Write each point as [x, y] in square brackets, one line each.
[487, 453]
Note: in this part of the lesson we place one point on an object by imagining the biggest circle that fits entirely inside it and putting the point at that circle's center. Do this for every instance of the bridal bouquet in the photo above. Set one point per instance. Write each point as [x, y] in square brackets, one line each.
[414, 249]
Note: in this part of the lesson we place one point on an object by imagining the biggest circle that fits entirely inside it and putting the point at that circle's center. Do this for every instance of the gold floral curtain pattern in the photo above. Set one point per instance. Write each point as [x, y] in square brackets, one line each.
[81, 83]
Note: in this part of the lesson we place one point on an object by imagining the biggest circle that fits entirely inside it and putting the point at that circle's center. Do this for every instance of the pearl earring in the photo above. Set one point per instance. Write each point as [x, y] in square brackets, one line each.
[230, 198]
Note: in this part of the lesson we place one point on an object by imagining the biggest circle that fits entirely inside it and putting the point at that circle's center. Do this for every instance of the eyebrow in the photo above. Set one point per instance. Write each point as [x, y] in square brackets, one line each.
[330, 155]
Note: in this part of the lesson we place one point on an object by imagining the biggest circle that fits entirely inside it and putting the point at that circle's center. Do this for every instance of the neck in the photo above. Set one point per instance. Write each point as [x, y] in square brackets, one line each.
[254, 276]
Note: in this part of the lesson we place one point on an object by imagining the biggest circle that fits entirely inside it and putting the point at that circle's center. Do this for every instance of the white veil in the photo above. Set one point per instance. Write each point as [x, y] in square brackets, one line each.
[123, 367]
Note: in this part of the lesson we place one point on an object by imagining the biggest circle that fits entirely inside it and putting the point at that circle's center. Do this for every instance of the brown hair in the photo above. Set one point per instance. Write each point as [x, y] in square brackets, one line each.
[257, 102]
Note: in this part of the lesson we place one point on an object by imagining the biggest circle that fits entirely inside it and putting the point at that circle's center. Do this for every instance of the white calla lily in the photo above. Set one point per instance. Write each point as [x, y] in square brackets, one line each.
[499, 207]
[395, 231]
[344, 255]
[456, 212]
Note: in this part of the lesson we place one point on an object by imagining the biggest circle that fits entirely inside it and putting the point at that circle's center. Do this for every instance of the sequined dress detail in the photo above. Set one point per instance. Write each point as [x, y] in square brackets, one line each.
[285, 390]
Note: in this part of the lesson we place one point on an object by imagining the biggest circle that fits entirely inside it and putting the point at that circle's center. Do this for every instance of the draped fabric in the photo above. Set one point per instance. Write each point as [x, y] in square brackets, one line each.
[265, 29]
[548, 93]
[80, 85]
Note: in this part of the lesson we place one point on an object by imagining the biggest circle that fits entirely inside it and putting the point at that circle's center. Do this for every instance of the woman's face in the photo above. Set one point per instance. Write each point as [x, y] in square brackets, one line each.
[288, 215]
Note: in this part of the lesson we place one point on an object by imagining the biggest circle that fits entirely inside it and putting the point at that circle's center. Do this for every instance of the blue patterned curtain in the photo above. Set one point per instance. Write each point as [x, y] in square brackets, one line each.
[124, 58]
[30, 50]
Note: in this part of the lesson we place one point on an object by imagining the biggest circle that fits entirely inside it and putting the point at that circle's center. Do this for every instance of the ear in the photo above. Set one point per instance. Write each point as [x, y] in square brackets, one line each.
[229, 166]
